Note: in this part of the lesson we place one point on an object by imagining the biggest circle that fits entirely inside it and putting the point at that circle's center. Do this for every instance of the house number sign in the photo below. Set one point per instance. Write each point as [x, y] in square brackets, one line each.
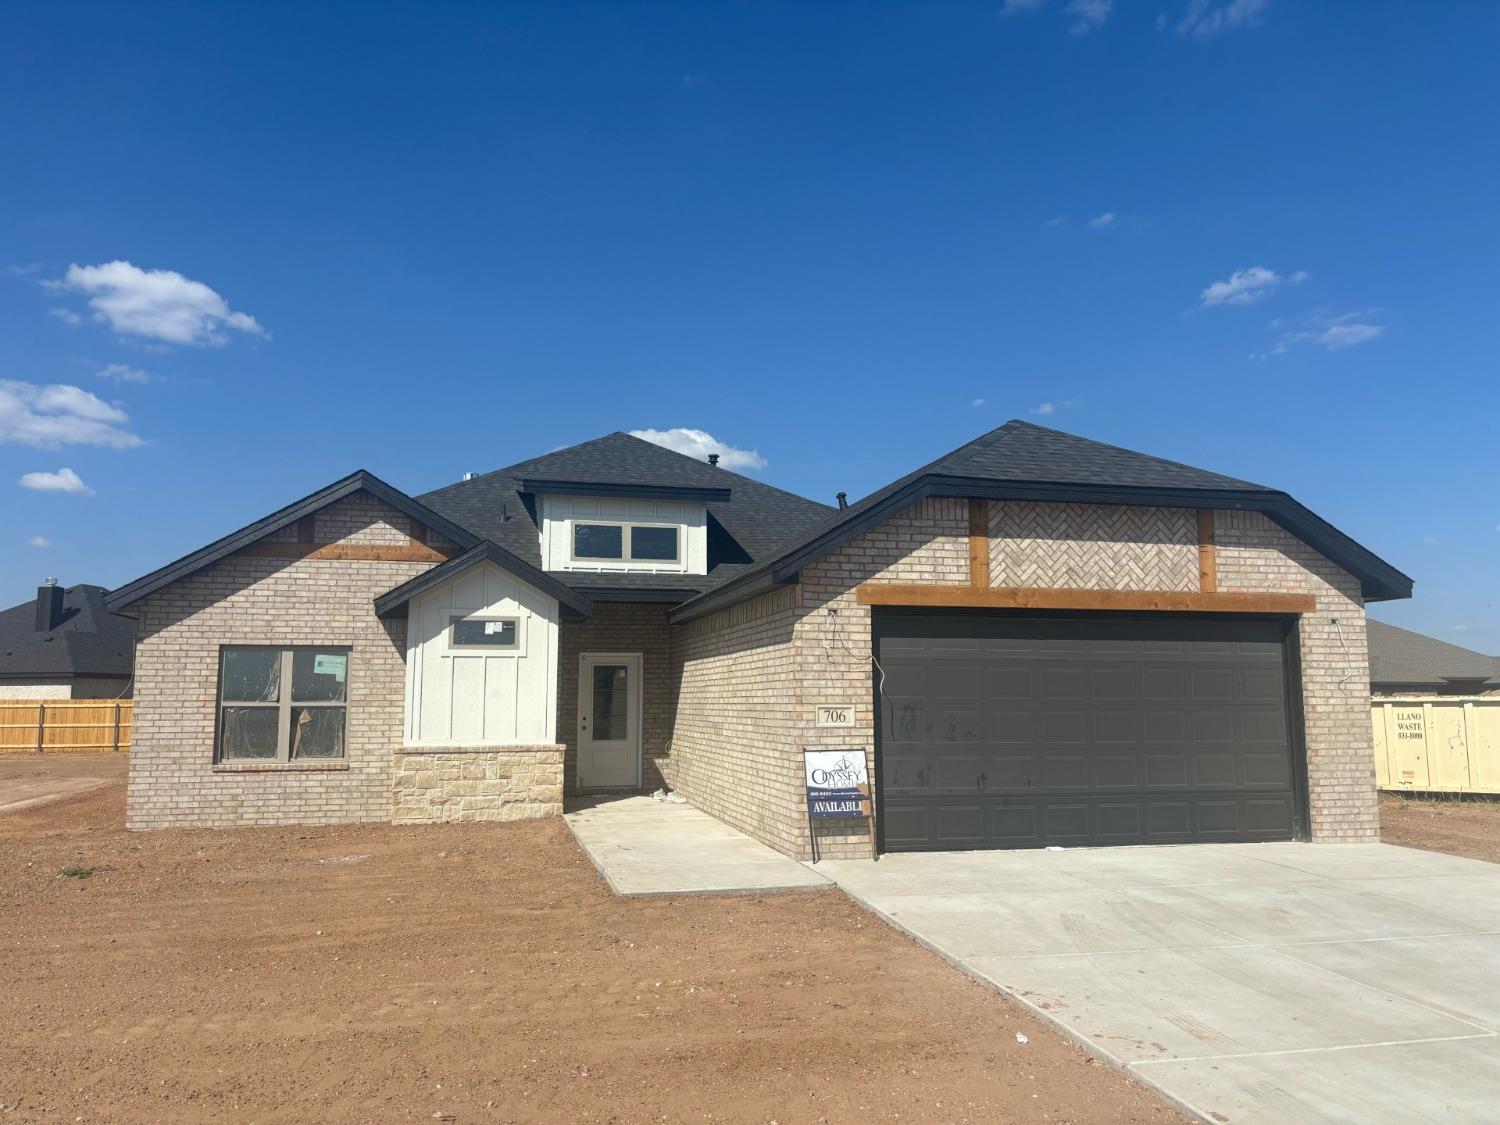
[834, 715]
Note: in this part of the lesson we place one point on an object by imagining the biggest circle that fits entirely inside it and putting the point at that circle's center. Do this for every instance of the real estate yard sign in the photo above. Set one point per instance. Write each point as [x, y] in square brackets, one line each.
[838, 785]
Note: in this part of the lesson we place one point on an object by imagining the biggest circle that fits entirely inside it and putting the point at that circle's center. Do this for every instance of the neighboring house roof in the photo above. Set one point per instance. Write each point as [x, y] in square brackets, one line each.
[89, 640]
[1401, 657]
[357, 481]
[1021, 461]
[393, 603]
[753, 519]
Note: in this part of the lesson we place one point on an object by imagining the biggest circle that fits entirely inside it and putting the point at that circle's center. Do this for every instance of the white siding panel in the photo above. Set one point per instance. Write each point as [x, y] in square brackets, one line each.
[558, 513]
[473, 697]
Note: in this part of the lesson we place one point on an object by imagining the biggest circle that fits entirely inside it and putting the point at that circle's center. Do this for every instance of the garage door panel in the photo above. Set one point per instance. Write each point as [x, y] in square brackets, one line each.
[1115, 727]
[1025, 731]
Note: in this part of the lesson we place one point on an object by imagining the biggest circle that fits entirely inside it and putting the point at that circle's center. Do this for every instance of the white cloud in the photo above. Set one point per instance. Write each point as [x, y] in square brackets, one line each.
[60, 414]
[1337, 337]
[1099, 222]
[699, 444]
[158, 304]
[1088, 15]
[1044, 408]
[1054, 223]
[1204, 19]
[1332, 334]
[1245, 287]
[67, 316]
[64, 480]
[121, 373]
[38, 541]
[977, 402]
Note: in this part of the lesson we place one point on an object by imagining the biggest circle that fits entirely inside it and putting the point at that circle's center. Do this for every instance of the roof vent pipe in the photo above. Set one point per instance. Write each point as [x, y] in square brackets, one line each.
[713, 458]
[843, 500]
[49, 606]
[468, 476]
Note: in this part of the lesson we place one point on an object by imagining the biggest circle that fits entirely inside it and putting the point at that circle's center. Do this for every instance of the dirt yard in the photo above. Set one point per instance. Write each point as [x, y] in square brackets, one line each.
[1459, 827]
[473, 974]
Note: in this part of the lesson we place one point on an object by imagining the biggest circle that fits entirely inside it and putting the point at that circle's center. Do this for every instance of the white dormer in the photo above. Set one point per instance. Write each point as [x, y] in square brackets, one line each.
[619, 533]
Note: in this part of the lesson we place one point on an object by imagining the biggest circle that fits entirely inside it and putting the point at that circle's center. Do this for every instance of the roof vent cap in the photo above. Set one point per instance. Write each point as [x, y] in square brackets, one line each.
[713, 458]
[843, 500]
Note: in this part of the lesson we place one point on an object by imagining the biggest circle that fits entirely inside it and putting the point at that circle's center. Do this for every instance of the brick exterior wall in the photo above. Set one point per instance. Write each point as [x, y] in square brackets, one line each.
[477, 783]
[619, 627]
[1091, 547]
[750, 676]
[735, 726]
[174, 781]
[1257, 555]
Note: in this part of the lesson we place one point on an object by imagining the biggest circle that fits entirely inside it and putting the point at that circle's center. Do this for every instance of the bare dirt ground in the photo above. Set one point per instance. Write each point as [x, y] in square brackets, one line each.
[475, 973]
[1459, 827]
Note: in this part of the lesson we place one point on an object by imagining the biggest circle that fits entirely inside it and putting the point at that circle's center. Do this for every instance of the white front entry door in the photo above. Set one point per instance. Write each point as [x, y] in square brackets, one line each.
[609, 720]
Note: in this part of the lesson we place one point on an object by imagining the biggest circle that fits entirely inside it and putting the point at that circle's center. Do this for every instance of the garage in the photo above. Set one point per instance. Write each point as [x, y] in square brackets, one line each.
[1010, 730]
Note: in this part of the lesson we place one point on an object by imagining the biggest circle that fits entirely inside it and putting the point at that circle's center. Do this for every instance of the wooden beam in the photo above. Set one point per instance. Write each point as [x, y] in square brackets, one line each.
[1000, 597]
[979, 543]
[344, 552]
[1208, 559]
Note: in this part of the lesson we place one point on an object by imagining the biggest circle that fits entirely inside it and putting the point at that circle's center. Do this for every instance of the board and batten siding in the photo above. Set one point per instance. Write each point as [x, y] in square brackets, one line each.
[559, 512]
[469, 697]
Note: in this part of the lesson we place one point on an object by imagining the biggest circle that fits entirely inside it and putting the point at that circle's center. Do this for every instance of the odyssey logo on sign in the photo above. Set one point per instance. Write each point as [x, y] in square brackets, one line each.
[838, 782]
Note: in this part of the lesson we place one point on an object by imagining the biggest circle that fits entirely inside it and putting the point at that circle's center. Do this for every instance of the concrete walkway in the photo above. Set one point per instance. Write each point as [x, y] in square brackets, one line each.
[1249, 983]
[647, 847]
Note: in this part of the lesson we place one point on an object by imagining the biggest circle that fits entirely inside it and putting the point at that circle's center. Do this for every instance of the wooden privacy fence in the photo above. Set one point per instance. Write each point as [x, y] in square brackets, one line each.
[64, 726]
[1438, 744]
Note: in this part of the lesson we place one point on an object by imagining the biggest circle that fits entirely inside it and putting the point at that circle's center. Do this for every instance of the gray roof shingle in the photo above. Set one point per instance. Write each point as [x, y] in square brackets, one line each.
[1401, 657]
[754, 520]
[89, 641]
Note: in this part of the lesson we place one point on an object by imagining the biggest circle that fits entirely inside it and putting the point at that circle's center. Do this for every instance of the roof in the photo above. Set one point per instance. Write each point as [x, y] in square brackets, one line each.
[357, 481]
[393, 603]
[742, 529]
[1022, 461]
[1402, 657]
[90, 641]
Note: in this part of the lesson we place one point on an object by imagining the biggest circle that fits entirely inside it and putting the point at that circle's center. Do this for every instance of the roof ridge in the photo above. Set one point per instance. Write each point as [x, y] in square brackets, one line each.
[1022, 423]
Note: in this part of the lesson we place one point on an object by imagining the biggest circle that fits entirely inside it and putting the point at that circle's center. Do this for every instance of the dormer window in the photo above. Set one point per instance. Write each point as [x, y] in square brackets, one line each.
[626, 542]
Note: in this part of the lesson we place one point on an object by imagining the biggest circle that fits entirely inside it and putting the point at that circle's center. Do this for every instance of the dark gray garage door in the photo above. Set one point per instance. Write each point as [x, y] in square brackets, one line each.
[1001, 731]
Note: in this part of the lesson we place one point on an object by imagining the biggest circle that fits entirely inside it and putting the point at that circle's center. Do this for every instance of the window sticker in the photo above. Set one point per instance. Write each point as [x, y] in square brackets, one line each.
[335, 664]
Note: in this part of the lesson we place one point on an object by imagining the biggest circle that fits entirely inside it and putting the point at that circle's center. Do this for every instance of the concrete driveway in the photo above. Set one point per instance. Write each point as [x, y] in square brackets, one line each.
[1246, 982]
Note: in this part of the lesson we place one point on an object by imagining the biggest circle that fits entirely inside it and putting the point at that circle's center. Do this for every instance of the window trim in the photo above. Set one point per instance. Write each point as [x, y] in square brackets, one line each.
[627, 542]
[283, 707]
[512, 649]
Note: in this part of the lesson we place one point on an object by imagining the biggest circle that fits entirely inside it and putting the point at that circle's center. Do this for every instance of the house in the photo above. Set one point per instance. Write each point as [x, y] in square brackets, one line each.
[1036, 639]
[65, 645]
[1406, 663]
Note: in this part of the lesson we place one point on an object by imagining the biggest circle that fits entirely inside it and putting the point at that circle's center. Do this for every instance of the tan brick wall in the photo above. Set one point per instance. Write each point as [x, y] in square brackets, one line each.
[1257, 555]
[619, 627]
[1092, 547]
[477, 783]
[749, 683]
[241, 600]
[734, 733]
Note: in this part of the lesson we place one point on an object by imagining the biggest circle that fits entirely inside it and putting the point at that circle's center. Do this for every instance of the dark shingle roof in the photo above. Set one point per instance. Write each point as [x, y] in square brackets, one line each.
[1020, 460]
[1401, 657]
[754, 520]
[90, 641]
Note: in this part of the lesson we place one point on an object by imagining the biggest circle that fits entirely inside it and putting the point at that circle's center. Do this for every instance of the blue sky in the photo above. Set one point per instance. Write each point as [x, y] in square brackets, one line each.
[247, 249]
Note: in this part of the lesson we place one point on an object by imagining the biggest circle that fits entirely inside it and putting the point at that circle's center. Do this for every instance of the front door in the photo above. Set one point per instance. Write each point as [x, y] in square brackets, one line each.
[609, 720]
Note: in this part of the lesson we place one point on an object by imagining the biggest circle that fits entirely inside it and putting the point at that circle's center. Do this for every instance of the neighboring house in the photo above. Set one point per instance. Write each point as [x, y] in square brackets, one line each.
[65, 645]
[1037, 639]
[1407, 663]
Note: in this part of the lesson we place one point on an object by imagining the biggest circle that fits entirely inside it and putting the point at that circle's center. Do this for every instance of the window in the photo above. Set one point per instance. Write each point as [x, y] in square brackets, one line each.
[647, 542]
[282, 704]
[483, 632]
